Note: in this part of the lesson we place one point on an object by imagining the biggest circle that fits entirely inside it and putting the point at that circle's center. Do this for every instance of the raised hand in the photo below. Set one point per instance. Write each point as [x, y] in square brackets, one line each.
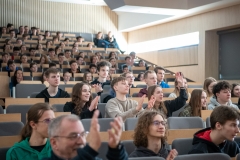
[94, 139]
[98, 88]
[151, 102]
[180, 79]
[140, 103]
[172, 154]
[94, 103]
[115, 132]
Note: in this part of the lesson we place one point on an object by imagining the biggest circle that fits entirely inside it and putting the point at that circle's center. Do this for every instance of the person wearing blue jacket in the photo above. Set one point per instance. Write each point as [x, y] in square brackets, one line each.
[160, 72]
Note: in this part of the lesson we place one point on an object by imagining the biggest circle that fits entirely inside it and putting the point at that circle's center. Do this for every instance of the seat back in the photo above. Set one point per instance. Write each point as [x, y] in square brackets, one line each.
[34, 94]
[205, 156]
[130, 123]
[179, 143]
[103, 95]
[106, 88]
[58, 107]
[103, 151]
[103, 122]
[176, 113]
[25, 90]
[208, 124]
[237, 157]
[23, 109]
[101, 108]
[3, 152]
[10, 128]
[129, 146]
[1, 110]
[185, 122]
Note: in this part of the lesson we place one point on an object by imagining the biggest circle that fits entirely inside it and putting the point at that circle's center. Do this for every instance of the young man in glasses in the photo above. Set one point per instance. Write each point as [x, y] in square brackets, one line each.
[68, 139]
[53, 91]
[150, 137]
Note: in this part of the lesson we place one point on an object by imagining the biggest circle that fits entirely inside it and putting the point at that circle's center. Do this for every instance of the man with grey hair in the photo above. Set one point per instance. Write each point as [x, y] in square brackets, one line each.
[68, 139]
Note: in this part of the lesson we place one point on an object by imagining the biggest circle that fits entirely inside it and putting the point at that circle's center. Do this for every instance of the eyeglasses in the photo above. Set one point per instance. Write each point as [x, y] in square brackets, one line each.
[157, 123]
[47, 121]
[131, 77]
[75, 136]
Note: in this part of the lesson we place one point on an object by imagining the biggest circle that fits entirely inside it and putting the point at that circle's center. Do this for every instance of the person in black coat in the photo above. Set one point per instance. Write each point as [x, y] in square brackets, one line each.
[82, 103]
[219, 138]
[53, 91]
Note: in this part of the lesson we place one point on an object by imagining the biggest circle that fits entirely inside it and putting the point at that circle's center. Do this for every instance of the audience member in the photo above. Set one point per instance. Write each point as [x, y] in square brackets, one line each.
[198, 102]
[33, 53]
[68, 139]
[33, 67]
[23, 49]
[34, 142]
[19, 41]
[112, 43]
[40, 38]
[53, 91]
[80, 60]
[12, 35]
[142, 63]
[87, 77]
[74, 68]
[113, 62]
[44, 60]
[133, 57]
[20, 30]
[47, 34]
[25, 37]
[17, 77]
[4, 30]
[221, 96]
[140, 77]
[48, 45]
[52, 65]
[167, 107]
[120, 105]
[150, 79]
[11, 66]
[58, 50]
[219, 138]
[66, 77]
[93, 68]
[55, 40]
[39, 49]
[59, 35]
[66, 41]
[9, 27]
[236, 92]
[103, 70]
[80, 40]
[160, 71]
[100, 42]
[130, 78]
[208, 85]
[150, 137]
[61, 58]
[177, 86]
[67, 54]
[82, 103]
[26, 30]
[129, 63]
[24, 59]
[16, 51]
[51, 54]
[94, 59]
[125, 69]
[5, 58]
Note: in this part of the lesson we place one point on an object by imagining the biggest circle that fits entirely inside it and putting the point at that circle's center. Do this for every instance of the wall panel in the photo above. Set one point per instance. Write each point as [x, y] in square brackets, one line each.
[56, 16]
[207, 24]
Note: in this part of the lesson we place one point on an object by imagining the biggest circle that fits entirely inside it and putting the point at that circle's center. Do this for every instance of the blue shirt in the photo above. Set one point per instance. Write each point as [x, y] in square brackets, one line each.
[164, 85]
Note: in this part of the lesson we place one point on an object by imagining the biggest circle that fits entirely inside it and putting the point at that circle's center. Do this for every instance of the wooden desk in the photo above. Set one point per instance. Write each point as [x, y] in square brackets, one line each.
[22, 101]
[13, 117]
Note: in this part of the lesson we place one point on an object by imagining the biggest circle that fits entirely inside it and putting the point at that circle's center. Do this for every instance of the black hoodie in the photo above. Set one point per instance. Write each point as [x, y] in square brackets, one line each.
[144, 152]
[97, 82]
[45, 94]
[202, 145]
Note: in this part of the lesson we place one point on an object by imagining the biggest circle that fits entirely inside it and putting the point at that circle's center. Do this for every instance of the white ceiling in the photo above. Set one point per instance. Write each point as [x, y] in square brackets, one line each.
[151, 12]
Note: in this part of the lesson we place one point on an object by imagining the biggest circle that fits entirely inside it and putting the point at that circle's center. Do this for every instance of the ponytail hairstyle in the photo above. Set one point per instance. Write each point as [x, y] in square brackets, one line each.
[34, 114]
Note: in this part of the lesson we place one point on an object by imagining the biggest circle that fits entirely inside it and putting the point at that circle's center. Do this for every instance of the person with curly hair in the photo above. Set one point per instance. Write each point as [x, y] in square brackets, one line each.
[82, 103]
[150, 137]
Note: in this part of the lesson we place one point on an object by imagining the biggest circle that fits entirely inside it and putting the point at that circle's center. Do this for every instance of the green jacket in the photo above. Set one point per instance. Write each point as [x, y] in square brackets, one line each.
[23, 151]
